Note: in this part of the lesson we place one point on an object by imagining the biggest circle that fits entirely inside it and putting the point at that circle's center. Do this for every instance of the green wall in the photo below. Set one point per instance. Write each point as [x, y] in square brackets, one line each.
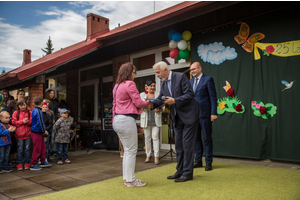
[246, 135]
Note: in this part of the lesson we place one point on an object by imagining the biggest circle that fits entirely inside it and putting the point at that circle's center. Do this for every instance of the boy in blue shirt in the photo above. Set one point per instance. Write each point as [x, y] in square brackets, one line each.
[38, 132]
[5, 141]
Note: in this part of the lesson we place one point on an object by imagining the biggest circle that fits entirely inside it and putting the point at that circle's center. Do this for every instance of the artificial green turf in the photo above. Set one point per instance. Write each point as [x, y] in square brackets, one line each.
[225, 181]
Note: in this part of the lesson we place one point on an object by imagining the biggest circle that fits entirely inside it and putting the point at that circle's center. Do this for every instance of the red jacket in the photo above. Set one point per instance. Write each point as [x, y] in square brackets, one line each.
[23, 130]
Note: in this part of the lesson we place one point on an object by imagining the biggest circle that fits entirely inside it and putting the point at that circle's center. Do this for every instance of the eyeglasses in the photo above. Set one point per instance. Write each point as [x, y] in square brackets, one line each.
[134, 73]
[193, 69]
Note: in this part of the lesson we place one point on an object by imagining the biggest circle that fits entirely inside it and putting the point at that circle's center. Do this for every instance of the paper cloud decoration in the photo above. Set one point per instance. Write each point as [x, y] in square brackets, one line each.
[215, 53]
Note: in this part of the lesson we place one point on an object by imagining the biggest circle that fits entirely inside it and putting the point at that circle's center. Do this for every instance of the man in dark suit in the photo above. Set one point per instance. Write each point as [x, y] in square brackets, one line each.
[185, 113]
[206, 96]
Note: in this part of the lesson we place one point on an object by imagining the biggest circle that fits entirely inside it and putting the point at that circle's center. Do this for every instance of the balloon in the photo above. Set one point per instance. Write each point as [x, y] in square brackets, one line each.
[172, 44]
[178, 58]
[184, 54]
[170, 33]
[176, 37]
[174, 53]
[186, 35]
[170, 48]
[189, 45]
[182, 45]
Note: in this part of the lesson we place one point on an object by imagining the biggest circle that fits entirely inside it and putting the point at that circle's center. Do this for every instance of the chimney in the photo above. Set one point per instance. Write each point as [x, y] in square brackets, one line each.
[26, 56]
[96, 24]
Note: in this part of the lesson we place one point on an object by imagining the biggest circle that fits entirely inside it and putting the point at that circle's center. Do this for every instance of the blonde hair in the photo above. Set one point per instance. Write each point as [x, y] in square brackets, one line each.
[4, 112]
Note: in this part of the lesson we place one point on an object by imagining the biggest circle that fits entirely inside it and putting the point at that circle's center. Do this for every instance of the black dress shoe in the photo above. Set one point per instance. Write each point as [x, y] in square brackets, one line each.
[196, 165]
[208, 167]
[184, 178]
[174, 176]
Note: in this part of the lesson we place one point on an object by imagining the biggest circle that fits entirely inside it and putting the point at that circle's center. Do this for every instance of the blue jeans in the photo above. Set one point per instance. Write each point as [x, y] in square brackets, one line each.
[4, 156]
[62, 148]
[23, 145]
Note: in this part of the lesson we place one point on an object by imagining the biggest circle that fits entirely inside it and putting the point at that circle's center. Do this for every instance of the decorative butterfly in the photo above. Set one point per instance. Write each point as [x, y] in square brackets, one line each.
[227, 86]
[287, 84]
[242, 37]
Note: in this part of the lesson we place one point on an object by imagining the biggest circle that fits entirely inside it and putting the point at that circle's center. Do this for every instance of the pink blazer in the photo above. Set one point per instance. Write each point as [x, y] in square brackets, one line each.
[127, 100]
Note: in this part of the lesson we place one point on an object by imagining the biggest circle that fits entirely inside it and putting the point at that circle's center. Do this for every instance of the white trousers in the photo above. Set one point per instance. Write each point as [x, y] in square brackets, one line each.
[154, 132]
[126, 129]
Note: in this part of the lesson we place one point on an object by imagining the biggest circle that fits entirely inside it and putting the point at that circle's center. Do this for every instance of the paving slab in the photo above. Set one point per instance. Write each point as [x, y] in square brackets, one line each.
[29, 173]
[87, 175]
[2, 197]
[63, 184]
[46, 178]
[25, 191]
[8, 177]
[14, 184]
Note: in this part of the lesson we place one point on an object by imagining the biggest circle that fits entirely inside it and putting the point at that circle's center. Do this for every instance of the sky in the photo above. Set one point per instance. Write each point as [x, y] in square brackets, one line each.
[28, 24]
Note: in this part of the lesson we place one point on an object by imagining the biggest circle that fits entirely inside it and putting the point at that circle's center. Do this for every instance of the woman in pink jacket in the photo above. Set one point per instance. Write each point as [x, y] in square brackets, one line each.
[21, 118]
[127, 105]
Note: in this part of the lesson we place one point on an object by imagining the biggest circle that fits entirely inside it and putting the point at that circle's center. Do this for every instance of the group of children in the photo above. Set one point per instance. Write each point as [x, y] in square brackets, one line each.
[35, 126]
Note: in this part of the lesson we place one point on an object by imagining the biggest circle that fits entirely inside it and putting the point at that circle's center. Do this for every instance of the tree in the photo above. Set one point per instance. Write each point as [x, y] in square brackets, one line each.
[49, 48]
[3, 71]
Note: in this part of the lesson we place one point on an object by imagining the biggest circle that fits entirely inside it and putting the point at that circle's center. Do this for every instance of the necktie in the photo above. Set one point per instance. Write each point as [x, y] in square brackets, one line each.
[169, 86]
[195, 84]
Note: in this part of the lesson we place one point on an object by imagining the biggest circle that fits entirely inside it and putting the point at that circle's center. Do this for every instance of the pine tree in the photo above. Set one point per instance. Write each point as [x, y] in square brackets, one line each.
[49, 48]
[3, 71]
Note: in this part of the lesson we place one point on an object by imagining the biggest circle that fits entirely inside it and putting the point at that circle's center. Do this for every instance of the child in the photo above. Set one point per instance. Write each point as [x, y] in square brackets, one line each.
[62, 131]
[5, 141]
[48, 119]
[37, 134]
[22, 120]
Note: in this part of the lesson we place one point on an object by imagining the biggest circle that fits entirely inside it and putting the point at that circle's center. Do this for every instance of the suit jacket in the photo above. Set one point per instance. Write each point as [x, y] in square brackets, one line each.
[144, 115]
[185, 105]
[206, 95]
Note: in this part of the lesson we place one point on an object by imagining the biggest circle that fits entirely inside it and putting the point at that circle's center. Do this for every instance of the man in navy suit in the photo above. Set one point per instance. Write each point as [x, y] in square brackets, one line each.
[206, 96]
[185, 114]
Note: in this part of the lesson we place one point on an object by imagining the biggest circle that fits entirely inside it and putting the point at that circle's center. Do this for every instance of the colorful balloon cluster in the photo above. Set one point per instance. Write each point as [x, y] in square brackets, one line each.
[179, 44]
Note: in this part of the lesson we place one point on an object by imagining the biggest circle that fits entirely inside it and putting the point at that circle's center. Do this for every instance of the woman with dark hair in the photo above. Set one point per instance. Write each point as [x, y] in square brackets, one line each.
[53, 105]
[150, 122]
[50, 95]
[127, 106]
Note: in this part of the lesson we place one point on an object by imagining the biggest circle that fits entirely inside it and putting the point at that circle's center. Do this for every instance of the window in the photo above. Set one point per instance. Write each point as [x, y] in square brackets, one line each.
[95, 73]
[87, 102]
[90, 96]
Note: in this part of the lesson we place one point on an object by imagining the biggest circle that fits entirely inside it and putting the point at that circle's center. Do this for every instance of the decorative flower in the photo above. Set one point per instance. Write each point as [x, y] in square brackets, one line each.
[258, 106]
[146, 92]
[270, 49]
[222, 105]
[230, 92]
[238, 108]
[253, 103]
[263, 110]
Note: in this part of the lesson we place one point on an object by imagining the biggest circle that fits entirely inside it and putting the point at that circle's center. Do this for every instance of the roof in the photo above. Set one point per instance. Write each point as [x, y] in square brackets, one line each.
[59, 57]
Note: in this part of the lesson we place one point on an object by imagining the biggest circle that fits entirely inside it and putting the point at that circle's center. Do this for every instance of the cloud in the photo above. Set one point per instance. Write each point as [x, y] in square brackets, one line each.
[66, 27]
[215, 53]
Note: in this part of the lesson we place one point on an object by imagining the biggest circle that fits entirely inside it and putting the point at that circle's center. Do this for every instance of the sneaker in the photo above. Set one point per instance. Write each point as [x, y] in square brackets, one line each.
[11, 165]
[6, 170]
[135, 183]
[35, 167]
[60, 162]
[68, 161]
[45, 164]
[39, 162]
[19, 167]
[27, 166]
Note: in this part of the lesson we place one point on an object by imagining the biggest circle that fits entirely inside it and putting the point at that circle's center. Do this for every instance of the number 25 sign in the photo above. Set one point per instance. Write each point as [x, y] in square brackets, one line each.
[284, 49]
